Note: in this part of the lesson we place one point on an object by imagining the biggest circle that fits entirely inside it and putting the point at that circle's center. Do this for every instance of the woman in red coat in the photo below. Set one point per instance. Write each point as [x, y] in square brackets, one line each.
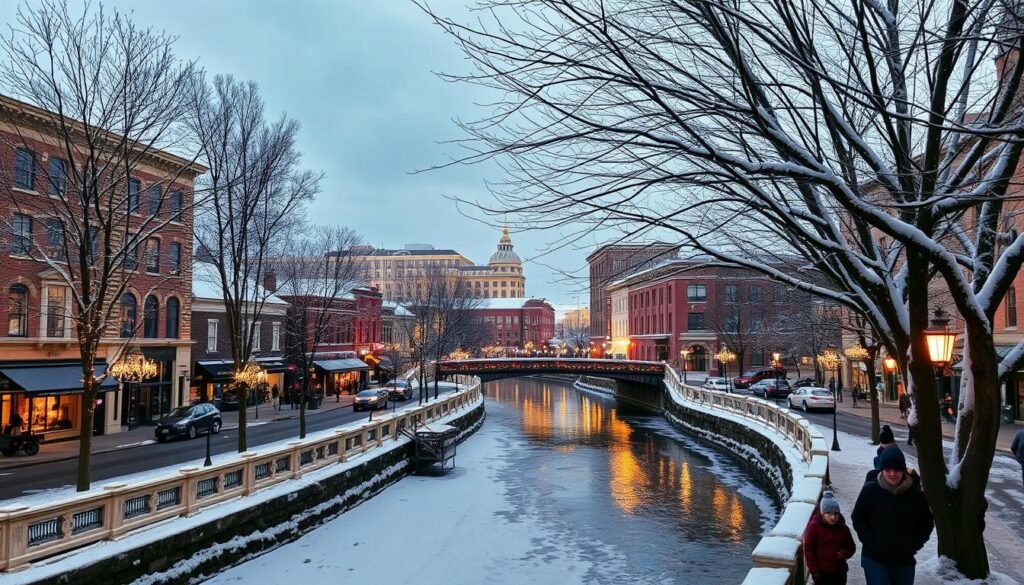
[828, 543]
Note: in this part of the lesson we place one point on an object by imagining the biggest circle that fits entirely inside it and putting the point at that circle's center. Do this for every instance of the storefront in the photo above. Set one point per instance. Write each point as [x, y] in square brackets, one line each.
[212, 382]
[342, 376]
[46, 397]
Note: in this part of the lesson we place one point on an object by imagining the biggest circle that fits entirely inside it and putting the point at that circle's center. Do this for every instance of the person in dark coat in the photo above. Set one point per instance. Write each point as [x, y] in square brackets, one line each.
[893, 521]
[1017, 447]
[828, 543]
[886, 439]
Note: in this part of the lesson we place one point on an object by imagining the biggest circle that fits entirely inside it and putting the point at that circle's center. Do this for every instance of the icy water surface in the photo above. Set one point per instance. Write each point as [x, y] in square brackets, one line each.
[557, 487]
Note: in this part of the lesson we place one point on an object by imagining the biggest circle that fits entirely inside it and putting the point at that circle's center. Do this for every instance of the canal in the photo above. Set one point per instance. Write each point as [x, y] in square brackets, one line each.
[559, 486]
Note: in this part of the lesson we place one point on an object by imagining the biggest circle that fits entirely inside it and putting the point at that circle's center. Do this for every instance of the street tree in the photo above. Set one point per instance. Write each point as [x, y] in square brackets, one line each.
[314, 274]
[102, 98]
[870, 139]
[257, 191]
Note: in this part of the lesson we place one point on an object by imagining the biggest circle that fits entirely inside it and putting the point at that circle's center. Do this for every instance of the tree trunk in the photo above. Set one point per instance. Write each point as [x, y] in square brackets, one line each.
[85, 440]
[243, 403]
[874, 398]
[302, 406]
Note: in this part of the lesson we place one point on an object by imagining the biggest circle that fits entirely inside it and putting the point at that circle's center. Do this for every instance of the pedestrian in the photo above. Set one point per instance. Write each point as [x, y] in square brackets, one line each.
[904, 403]
[947, 408]
[275, 394]
[14, 423]
[832, 385]
[854, 393]
[828, 543]
[893, 522]
[1018, 449]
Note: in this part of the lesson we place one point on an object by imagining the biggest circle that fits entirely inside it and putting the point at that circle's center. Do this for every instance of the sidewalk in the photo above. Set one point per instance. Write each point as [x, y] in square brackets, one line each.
[143, 435]
[889, 413]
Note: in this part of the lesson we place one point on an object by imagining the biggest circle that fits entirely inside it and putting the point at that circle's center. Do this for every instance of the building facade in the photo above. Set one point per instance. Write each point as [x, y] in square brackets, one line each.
[40, 361]
[515, 323]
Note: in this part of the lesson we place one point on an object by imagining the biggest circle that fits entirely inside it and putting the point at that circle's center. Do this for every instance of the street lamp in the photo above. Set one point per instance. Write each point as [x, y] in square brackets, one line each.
[829, 360]
[890, 366]
[684, 354]
[940, 339]
[724, 356]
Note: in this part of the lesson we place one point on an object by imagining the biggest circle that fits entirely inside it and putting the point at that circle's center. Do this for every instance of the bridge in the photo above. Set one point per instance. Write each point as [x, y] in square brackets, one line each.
[637, 382]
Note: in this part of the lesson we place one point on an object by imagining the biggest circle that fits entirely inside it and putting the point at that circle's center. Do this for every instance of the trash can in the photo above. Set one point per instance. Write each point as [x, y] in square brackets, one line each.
[313, 403]
[1007, 414]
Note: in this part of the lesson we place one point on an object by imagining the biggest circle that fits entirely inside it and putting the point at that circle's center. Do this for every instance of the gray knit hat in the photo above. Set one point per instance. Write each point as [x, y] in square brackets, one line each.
[828, 503]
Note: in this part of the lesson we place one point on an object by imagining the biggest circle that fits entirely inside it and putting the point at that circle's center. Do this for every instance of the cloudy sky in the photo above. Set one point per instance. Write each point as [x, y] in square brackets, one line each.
[361, 79]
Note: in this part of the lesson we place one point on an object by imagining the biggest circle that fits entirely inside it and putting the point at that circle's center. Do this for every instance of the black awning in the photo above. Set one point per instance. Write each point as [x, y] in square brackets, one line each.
[43, 379]
[272, 365]
[346, 365]
[214, 370]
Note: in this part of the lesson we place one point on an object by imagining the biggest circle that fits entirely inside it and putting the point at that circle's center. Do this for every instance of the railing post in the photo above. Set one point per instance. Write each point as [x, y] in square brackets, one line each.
[248, 473]
[342, 452]
[296, 459]
[189, 498]
[114, 511]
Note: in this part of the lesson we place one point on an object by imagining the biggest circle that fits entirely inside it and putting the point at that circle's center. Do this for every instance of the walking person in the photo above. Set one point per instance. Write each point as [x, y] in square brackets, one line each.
[832, 387]
[1018, 449]
[828, 543]
[904, 403]
[893, 522]
[275, 394]
[947, 408]
[854, 393]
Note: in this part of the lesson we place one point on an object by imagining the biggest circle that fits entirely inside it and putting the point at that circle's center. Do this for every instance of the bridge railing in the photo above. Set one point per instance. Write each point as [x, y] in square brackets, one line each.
[778, 557]
[30, 532]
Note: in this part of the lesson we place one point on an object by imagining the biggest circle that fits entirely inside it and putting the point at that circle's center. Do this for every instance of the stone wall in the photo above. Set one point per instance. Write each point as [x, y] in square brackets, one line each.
[209, 548]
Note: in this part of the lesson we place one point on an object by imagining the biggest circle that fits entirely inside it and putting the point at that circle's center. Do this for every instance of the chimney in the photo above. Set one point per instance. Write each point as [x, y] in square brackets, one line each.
[270, 280]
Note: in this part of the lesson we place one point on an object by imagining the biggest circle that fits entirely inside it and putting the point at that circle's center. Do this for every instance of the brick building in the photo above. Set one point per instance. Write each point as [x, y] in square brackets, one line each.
[511, 324]
[40, 362]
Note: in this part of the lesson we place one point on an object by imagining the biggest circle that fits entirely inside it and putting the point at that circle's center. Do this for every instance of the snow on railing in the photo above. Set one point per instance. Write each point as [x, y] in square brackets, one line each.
[28, 533]
[778, 557]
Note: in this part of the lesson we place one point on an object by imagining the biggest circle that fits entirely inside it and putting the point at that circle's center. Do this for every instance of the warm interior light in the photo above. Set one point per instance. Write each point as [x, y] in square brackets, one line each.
[940, 339]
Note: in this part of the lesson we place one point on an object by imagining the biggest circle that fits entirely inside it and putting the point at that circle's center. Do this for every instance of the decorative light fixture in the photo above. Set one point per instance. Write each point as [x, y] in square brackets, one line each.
[940, 339]
[856, 353]
[251, 374]
[829, 360]
[133, 366]
[889, 364]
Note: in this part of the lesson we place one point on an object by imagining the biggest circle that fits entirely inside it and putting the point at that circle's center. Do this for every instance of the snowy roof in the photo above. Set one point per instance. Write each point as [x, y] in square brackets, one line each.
[400, 311]
[206, 285]
[317, 287]
[506, 303]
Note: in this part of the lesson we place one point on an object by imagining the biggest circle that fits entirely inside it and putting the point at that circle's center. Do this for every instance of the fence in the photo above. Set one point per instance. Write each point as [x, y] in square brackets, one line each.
[778, 557]
[28, 533]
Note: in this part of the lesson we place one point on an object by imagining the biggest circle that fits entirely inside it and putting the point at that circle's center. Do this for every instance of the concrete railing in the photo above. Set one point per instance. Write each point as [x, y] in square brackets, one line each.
[778, 557]
[31, 532]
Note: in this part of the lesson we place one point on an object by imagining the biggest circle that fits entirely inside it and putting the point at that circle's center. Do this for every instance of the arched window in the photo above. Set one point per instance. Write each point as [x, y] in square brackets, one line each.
[129, 313]
[698, 357]
[1011, 307]
[151, 318]
[172, 318]
[17, 310]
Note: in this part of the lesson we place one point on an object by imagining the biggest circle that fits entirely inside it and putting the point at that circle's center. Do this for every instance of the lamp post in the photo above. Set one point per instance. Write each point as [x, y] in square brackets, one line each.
[724, 356]
[829, 360]
[890, 367]
[684, 354]
[940, 341]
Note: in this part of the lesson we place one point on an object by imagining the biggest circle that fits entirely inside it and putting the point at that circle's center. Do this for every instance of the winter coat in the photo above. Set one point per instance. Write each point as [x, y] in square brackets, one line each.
[1018, 446]
[892, 524]
[827, 546]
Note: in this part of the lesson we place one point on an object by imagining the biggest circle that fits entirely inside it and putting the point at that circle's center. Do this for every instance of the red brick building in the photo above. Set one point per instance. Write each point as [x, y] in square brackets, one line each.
[512, 323]
[40, 367]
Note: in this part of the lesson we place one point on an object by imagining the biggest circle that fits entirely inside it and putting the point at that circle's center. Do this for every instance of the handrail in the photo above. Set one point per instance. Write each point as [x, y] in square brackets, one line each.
[778, 556]
[28, 533]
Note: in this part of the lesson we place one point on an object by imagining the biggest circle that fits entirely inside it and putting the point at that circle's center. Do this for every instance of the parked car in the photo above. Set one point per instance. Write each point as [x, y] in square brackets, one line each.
[802, 382]
[189, 421]
[812, 398]
[399, 390]
[754, 376]
[771, 388]
[716, 384]
[372, 399]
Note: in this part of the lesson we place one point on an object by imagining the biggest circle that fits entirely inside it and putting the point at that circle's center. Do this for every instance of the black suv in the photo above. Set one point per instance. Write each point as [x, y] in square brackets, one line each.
[189, 421]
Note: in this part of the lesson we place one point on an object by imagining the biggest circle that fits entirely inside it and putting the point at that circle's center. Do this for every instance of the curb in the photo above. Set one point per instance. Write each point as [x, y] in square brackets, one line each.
[29, 463]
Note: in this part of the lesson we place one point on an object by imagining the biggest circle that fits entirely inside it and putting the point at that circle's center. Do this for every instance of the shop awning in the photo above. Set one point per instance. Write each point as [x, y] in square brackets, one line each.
[224, 370]
[49, 379]
[1001, 350]
[346, 365]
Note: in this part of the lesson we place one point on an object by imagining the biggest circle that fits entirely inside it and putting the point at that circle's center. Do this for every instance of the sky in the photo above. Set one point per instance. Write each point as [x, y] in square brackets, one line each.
[361, 79]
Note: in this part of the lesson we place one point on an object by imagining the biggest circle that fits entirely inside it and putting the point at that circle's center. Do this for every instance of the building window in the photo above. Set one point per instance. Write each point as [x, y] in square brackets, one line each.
[694, 322]
[211, 335]
[58, 176]
[133, 195]
[732, 293]
[131, 253]
[151, 318]
[756, 320]
[757, 358]
[21, 234]
[129, 313]
[176, 203]
[756, 294]
[256, 334]
[154, 199]
[1011, 307]
[17, 310]
[56, 315]
[732, 321]
[696, 293]
[779, 294]
[174, 258]
[24, 169]
[275, 339]
[173, 308]
[153, 255]
[55, 238]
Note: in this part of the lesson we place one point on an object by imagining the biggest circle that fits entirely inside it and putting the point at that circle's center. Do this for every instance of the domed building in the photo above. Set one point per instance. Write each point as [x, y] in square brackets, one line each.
[502, 277]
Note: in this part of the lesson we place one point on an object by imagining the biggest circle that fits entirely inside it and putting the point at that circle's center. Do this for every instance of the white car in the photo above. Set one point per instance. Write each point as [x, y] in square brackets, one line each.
[812, 398]
[716, 384]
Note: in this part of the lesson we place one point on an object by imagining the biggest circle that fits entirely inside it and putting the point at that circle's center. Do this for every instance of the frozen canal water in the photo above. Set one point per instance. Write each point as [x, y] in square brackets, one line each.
[557, 487]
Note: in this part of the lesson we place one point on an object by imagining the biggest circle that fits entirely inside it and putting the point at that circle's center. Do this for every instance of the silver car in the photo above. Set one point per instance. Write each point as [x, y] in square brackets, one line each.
[812, 398]
[373, 399]
[720, 384]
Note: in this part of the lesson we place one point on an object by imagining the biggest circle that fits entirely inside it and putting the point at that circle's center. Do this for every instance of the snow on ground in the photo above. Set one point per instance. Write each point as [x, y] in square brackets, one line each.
[847, 468]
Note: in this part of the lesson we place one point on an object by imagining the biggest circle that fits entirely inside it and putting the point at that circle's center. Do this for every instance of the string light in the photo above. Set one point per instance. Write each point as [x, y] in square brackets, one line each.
[133, 367]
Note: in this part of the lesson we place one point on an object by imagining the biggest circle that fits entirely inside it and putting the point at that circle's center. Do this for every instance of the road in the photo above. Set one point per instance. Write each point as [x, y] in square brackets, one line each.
[31, 479]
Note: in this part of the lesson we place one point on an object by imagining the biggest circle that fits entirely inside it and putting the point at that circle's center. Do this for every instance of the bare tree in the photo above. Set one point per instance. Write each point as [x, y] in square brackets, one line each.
[313, 278]
[104, 97]
[257, 196]
[863, 137]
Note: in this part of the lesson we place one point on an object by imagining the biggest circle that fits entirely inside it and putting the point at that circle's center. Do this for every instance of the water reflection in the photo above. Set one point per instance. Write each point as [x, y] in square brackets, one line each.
[655, 492]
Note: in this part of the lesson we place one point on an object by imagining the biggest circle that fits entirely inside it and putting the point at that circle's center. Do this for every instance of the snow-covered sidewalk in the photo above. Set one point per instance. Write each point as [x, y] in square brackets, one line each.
[847, 469]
